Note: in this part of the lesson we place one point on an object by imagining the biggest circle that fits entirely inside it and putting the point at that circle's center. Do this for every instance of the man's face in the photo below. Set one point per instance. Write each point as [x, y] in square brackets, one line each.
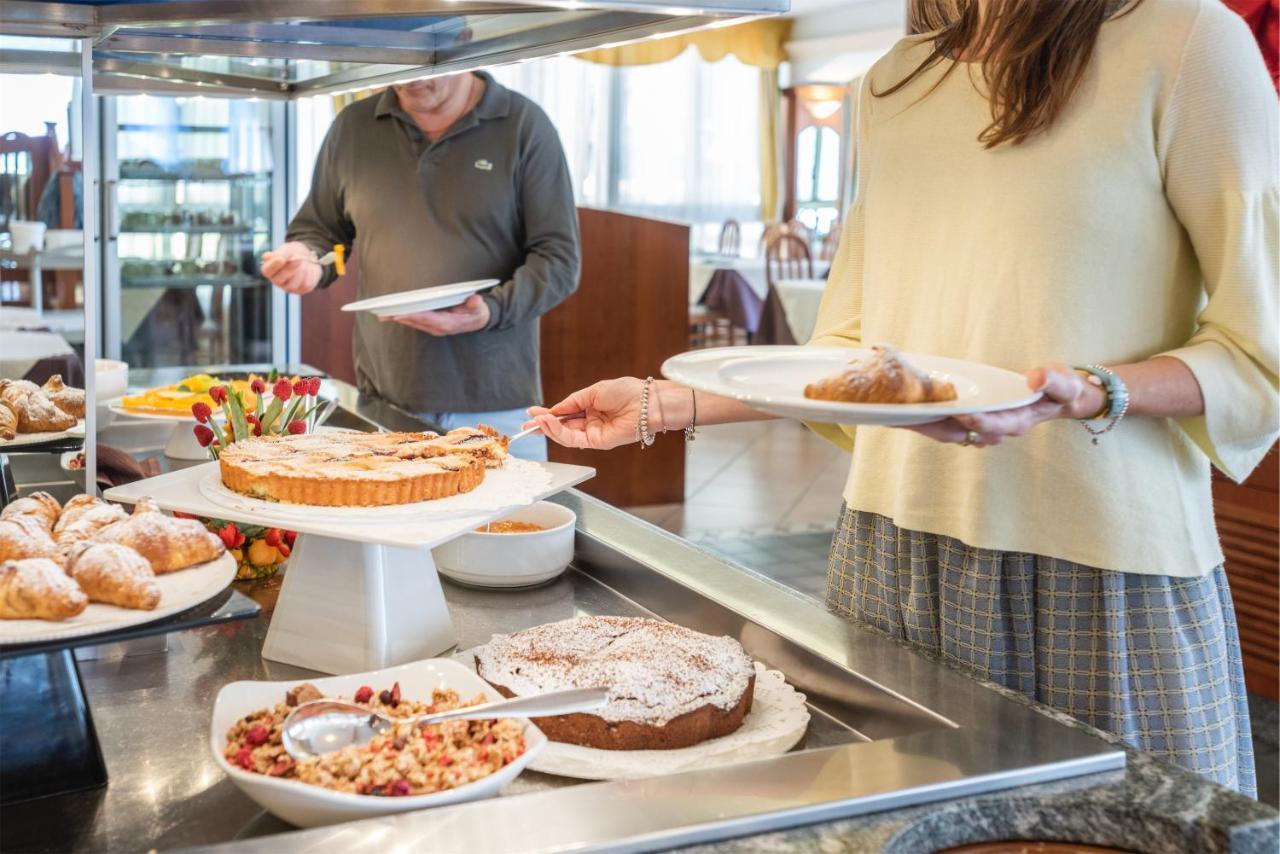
[430, 94]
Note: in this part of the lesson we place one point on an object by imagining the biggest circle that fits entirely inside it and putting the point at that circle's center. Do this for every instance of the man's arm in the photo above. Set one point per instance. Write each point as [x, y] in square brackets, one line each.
[550, 270]
[320, 223]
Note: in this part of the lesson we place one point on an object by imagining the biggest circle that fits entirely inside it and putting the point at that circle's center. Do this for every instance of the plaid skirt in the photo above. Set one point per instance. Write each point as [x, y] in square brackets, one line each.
[1153, 659]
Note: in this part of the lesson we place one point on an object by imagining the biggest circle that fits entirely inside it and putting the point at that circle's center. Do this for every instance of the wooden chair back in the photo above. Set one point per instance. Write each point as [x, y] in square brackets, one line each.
[730, 238]
[787, 257]
[26, 164]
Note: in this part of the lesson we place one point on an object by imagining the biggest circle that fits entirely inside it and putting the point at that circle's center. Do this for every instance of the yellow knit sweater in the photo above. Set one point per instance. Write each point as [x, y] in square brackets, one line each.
[1143, 222]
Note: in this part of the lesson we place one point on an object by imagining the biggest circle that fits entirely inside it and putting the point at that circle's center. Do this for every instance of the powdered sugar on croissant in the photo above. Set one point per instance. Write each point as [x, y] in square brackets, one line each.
[882, 377]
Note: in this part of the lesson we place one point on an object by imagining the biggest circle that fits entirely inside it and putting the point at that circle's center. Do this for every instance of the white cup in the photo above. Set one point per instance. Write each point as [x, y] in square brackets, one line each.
[26, 236]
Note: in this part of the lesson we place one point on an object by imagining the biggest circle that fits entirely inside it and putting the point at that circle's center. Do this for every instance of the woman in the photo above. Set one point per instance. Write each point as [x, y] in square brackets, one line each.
[1044, 184]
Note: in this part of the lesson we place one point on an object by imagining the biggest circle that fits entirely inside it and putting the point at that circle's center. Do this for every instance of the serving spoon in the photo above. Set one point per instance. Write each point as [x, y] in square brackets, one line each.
[323, 726]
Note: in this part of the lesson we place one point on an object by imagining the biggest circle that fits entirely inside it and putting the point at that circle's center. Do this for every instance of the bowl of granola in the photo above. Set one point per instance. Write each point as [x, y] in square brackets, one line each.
[409, 768]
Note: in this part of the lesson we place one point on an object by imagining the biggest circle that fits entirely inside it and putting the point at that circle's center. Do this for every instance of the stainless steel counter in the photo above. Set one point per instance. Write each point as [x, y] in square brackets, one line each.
[889, 728]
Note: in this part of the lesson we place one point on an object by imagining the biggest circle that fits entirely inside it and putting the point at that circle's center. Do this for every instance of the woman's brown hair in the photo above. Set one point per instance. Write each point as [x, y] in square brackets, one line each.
[1033, 54]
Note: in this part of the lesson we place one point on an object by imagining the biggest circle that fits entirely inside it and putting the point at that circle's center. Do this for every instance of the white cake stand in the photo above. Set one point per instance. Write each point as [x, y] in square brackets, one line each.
[357, 595]
[182, 444]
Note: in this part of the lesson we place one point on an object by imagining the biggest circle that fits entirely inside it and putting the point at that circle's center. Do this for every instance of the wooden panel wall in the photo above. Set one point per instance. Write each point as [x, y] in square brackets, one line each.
[630, 313]
[1247, 516]
[327, 330]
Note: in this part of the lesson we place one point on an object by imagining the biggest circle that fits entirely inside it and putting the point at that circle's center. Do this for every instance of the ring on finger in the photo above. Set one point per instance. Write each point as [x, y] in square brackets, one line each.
[971, 438]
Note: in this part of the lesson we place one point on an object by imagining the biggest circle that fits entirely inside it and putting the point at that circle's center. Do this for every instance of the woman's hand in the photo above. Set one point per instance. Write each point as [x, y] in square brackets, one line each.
[603, 416]
[1067, 394]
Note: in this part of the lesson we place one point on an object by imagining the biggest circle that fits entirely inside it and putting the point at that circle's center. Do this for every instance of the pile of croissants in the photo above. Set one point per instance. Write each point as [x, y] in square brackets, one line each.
[55, 560]
[29, 408]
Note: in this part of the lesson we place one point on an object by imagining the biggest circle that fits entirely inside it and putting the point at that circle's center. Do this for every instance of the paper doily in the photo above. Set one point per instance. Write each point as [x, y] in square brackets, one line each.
[777, 721]
[516, 484]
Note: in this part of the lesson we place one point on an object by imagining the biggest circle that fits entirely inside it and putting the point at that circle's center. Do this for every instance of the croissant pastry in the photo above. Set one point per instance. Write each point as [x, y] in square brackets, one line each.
[882, 377]
[38, 414]
[38, 589]
[24, 537]
[13, 391]
[114, 574]
[84, 516]
[168, 543]
[69, 400]
[40, 505]
[8, 422]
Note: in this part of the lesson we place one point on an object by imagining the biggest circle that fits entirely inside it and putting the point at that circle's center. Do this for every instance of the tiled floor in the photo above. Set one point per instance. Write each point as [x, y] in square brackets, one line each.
[766, 496]
[748, 480]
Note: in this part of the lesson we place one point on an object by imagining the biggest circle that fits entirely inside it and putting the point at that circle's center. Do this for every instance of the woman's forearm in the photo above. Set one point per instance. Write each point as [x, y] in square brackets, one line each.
[674, 408]
[1163, 387]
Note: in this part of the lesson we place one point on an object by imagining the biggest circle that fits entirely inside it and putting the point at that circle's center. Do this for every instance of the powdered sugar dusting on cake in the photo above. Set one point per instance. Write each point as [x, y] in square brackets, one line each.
[654, 671]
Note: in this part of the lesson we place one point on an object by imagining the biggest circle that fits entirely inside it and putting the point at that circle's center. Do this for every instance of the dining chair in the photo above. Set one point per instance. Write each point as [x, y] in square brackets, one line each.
[787, 257]
[730, 238]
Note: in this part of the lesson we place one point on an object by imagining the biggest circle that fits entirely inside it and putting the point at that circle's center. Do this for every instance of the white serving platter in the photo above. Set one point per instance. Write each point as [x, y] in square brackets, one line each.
[306, 805]
[23, 440]
[772, 379]
[179, 591]
[777, 721]
[423, 299]
[181, 490]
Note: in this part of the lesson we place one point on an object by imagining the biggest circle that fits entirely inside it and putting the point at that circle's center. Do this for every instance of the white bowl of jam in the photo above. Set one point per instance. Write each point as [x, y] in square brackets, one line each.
[526, 547]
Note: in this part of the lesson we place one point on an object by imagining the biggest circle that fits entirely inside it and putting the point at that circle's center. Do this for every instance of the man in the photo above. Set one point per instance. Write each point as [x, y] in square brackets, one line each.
[433, 182]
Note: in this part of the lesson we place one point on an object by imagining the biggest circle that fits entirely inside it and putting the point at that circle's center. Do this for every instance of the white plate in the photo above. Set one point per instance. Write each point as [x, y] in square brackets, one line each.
[772, 379]
[23, 440]
[516, 483]
[179, 591]
[117, 407]
[777, 721]
[423, 299]
[306, 805]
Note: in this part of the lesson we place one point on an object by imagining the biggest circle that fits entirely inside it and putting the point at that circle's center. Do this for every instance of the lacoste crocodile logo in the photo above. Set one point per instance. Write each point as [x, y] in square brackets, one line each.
[484, 165]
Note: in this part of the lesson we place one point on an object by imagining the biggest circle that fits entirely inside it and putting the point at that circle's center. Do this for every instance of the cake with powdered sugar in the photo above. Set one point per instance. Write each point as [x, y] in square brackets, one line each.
[669, 686]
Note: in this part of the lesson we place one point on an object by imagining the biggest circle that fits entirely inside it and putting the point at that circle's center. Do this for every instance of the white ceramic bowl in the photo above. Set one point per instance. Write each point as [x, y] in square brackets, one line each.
[77, 475]
[110, 382]
[305, 805]
[512, 560]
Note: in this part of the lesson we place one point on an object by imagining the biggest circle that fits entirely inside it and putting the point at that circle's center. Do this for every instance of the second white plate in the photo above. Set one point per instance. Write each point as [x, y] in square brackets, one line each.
[772, 379]
[423, 299]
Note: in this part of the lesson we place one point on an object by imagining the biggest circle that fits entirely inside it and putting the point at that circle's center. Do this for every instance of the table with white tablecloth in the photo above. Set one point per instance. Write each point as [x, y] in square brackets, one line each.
[21, 350]
[800, 300]
[703, 267]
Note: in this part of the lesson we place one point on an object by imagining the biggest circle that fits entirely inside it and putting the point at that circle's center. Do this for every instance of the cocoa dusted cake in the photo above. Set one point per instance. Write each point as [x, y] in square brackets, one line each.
[361, 469]
[669, 686]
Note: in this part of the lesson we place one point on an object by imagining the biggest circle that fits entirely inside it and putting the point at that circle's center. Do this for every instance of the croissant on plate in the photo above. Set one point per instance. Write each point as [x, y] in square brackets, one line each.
[113, 574]
[12, 391]
[8, 422]
[37, 413]
[25, 537]
[84, 516]
[168, 543]
[41, 505]
[69, 400]
[882, 377]
[38, 589]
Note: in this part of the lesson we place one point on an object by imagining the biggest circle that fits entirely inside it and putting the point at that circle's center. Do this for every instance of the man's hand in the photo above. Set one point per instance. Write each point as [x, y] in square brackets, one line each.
[292, 268]
[471, 316]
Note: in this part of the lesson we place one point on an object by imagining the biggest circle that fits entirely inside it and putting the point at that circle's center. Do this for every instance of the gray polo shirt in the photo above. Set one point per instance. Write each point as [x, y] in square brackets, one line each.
[490, 199]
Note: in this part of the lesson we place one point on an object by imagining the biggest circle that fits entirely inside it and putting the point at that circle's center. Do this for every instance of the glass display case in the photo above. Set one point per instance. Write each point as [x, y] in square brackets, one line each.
[191, 202]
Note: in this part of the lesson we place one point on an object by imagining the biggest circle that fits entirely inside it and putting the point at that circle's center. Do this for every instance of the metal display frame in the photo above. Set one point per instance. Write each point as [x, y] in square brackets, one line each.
[139, 47]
